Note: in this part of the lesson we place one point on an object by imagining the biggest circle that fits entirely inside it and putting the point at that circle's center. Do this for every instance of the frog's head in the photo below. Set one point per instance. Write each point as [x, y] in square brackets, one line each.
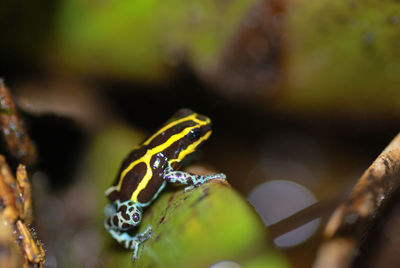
[181, 135]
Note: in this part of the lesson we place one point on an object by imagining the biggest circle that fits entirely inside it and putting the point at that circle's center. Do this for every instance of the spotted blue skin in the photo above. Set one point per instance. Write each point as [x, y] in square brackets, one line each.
[193, 180]
[122, 216]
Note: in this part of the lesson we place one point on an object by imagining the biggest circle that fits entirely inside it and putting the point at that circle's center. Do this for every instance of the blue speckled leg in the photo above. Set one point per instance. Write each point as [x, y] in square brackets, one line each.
[131, 242]
[122, 216]
[193, 180]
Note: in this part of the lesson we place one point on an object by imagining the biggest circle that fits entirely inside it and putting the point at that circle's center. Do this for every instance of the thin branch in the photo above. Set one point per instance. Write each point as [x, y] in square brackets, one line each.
[15, 135]
[15, 217]
[353, 219]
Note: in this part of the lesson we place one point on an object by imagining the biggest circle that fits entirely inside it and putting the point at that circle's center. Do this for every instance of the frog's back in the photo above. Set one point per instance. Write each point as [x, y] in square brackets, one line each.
[141, 174]
[132, 179]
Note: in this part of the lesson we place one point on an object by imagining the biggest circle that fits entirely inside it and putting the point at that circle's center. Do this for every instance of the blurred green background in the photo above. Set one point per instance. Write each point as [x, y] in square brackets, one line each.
[303, 96]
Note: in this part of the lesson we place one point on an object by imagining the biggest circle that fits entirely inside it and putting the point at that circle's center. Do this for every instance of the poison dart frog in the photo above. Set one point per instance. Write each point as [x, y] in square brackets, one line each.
[147, 169]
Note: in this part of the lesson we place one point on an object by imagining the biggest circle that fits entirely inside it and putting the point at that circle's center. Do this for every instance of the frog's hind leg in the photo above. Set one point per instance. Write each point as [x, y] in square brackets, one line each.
[131, 242]
[122, 216]
[193, 180]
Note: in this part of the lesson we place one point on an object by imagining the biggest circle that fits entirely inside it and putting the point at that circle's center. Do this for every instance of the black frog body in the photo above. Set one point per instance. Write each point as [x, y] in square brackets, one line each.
[146, 170]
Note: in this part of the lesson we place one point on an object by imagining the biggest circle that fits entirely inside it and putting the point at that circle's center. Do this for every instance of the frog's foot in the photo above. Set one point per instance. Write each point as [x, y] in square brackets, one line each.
[193, 180]
[140, 238]
[202, 179]
[146, 234]
[122, 216]
[131, 242]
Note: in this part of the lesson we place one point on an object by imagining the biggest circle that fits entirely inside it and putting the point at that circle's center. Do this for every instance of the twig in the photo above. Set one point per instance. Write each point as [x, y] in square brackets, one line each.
[15, 217]
[353, 219]
[16, 137]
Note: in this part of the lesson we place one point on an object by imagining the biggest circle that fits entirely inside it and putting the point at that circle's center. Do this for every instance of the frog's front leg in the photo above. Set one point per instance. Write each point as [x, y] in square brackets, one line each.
[122, 216]
[193, 180]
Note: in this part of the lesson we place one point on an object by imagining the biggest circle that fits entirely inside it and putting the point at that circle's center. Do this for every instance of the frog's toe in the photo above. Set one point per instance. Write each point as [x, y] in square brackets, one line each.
[135, 252]
[189, 188]
[220, 176]
[146, 234]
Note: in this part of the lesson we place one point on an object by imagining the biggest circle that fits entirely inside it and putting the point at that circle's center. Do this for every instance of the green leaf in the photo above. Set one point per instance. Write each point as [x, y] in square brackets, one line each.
[201, 227]
[143, 39]
[343, 54]
[198, 228]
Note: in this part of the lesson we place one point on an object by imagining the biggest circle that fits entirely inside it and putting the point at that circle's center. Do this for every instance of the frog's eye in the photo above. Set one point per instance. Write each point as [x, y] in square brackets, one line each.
[194, 135]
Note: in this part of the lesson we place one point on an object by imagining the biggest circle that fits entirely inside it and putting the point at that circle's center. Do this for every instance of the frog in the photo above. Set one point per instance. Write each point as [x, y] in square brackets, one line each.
[147, 169]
